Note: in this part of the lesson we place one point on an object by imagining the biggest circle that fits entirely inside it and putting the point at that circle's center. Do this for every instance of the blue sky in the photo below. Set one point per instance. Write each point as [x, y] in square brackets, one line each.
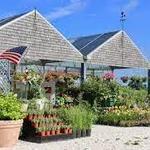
[83, 17]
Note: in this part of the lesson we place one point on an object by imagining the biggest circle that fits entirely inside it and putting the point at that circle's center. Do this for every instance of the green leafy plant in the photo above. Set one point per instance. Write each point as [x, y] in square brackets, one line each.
[137, 82]
[79, 117]
[10, 107]
[101, 92]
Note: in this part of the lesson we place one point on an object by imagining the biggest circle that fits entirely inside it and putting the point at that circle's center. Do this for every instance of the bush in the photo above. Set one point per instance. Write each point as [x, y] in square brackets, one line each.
[131, 98]
[100, 92]
[10, 107]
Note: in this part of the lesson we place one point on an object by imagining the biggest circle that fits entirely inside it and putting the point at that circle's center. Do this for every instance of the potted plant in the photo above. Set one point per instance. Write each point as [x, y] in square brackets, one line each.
[38, 131]
[89, 121]
[43, 131]
[65, 129]
[53, 130]
[47, 131]
[40, 114]
[57, 132]
[69, 129]
[35, 123]
[30, 115]
[55, 120]
[11, 119]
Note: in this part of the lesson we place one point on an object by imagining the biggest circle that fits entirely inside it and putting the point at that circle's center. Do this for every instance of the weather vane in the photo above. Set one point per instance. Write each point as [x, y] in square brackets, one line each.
[122, 19]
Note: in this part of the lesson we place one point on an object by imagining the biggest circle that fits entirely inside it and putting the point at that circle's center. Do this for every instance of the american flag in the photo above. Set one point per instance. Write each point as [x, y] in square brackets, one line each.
[13, 55]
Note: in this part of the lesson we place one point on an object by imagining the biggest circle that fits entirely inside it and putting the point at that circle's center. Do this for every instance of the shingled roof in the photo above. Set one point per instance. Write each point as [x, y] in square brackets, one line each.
[87, 44]
[44, 42]
[111, 49]
[9, 19]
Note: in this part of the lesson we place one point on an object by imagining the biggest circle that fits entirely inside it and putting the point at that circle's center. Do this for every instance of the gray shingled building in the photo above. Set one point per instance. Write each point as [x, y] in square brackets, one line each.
[44, 42]
[115, 49]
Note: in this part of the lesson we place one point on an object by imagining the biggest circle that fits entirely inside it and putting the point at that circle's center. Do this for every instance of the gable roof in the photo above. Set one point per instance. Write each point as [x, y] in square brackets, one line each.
[44, 42]
[11, 18]
[87, 44]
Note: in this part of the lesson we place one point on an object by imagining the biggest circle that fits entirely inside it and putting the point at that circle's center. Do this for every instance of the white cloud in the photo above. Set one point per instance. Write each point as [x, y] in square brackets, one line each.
[131, 5]
[72, 7]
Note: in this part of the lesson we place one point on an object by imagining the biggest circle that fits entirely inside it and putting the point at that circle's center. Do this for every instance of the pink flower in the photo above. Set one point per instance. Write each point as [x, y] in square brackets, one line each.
[109, 76]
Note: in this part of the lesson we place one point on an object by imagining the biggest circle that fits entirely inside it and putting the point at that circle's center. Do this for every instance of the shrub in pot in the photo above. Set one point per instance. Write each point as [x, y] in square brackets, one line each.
[11, 116]
[53, 130]
[41, 131]
[47, 133]
[35, 123]
[69, 129]
[57, 132]
[65, 129]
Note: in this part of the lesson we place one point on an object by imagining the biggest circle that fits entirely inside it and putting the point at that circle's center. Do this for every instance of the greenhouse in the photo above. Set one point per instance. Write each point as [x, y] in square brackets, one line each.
[59, 87]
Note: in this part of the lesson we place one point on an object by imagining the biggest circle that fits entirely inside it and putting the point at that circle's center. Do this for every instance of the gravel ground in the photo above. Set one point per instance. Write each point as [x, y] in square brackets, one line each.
[103, 138]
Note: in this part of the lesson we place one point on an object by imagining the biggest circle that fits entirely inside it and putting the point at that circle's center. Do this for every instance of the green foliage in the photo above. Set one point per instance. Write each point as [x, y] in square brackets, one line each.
[137, 82]
[130, 97]
[62, 100]
[99, 91]
[10, 107]
[79, 117]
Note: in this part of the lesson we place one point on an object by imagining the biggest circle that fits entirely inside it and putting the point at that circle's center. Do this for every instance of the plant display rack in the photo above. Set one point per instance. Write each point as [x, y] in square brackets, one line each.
[45, 128]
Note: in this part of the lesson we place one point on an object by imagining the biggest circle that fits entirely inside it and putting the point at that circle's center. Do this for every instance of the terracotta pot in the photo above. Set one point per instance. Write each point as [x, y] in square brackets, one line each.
[48, 116]
[9, 132]
[29, 117]
[47, 133]
[66, 131]
[69, 131]
[34, 116]
[52, 132]
[43, 133]
[35, 125]
[57, 132]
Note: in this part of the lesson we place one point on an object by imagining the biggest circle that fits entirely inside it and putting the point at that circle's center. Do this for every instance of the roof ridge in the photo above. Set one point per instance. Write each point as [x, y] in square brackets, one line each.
[84, 36]
[92, 41]
[8, 19]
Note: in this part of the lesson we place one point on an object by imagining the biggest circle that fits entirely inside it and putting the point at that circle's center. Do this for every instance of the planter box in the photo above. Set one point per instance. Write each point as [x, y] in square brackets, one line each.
[9, 132]
[44, 139]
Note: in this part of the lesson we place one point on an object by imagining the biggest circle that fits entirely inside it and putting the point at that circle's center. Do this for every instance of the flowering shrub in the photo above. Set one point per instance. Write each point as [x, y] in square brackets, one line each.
[60, 76]
[30, 76]
[122, 114]
[109, 76]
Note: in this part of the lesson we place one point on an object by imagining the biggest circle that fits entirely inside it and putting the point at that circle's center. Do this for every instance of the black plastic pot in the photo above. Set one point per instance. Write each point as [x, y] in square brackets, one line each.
[83, 133]
[74, 134]
[88, 132]
[78, 133]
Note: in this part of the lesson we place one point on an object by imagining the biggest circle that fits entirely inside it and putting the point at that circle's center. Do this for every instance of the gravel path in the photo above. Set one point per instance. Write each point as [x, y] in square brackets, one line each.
[103, 138]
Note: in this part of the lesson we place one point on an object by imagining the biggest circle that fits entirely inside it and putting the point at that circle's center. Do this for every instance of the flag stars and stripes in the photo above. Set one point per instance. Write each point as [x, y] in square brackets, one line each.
[13, 55]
